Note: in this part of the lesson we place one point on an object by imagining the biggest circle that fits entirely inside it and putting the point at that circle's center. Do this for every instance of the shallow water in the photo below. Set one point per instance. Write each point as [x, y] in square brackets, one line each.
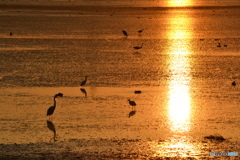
[184, 77]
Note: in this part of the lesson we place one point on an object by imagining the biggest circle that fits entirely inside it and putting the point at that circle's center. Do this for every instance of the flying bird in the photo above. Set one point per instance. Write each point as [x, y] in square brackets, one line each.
[125, 33]
[138, 47]
[51, 109]
[84, 82]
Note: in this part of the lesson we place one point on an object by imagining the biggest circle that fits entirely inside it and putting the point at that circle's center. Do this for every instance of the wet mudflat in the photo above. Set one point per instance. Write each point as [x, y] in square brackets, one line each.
[187, 106]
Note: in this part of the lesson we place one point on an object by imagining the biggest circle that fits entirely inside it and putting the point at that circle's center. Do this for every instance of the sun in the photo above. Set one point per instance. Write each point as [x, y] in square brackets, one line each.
[178, 3]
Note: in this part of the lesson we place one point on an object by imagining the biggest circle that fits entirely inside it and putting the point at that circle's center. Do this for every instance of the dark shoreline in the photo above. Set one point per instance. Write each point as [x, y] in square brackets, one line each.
[103, 7]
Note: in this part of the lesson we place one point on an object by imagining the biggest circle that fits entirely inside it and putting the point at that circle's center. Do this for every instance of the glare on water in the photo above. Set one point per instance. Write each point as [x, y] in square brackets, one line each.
[179, 98]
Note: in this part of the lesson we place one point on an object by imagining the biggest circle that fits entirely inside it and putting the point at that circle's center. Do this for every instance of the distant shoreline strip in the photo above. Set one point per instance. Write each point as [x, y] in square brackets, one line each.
[102, 7]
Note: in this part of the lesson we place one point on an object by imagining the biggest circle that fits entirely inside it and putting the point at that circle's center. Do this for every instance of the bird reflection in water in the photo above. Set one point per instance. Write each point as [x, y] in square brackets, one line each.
[138, 47]
[51, 127]
[83, 91]
[132, 113]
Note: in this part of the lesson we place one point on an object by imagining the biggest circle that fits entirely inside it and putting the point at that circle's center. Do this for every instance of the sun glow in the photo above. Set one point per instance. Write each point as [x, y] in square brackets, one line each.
[178, 3]
[179, 106]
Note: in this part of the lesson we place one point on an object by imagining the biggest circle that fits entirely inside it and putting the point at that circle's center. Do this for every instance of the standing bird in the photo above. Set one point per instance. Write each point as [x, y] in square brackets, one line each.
[132, 103]
[234, 83]
[138, 47]
[52, 108]
[125, 33]
[219, 45]
[84, 82]
[10, 33]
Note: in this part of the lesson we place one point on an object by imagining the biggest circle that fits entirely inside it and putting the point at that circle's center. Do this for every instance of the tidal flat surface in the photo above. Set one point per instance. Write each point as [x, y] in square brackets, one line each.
[185, 69]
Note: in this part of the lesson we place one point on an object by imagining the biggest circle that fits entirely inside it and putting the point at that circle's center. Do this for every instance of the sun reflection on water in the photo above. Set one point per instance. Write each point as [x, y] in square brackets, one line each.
[177, 147]
[179, 97]
[179, 108]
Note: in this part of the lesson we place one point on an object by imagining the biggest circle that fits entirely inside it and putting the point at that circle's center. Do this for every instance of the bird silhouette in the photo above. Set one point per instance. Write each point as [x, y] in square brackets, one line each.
[51, 109]
[10, 33]
[140, 31]
[84, 82]
[138, 47]
[132, 103]
[219, 45]
[234, 83]
[124, 32]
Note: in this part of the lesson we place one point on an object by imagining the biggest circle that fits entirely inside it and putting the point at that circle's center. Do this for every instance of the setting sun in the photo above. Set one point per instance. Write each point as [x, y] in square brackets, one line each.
[178, 3]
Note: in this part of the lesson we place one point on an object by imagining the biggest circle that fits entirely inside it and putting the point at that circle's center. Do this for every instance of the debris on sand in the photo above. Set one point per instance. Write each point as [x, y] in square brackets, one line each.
[218, 138]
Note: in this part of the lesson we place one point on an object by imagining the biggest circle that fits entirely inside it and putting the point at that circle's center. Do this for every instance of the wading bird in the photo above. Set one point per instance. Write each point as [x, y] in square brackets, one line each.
[124, 32]
[84, 82]
[10, 33]
[219, 45]
[52, 108]
[132, 103]
[234, 83]
[138, 47]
